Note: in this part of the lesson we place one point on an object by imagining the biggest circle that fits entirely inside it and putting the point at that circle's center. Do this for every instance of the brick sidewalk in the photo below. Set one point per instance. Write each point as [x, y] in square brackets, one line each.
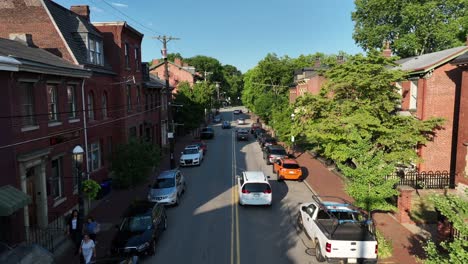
[325, 181]
[109, 210]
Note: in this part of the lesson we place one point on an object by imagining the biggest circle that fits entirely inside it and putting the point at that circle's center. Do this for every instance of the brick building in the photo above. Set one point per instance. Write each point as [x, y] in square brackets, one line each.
[120, 101]
[307, 80]
[178, 72]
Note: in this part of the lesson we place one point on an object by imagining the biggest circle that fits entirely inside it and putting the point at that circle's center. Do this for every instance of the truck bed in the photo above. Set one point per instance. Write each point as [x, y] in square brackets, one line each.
[351, 231]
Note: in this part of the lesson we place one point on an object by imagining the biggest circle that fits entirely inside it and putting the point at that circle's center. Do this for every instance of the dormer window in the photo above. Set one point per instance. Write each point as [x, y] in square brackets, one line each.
[95, 51]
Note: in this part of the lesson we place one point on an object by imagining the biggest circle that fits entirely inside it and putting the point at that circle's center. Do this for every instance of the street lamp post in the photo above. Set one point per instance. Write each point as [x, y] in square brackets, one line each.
[292, 136]
[78, 153]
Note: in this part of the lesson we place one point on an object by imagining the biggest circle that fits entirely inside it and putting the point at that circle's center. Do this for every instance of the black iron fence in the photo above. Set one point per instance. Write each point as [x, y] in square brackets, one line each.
[48, 237]
[423, 179]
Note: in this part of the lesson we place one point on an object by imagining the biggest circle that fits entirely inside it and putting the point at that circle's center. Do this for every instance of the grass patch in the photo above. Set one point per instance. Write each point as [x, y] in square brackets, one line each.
[423, 211]
[385, 246]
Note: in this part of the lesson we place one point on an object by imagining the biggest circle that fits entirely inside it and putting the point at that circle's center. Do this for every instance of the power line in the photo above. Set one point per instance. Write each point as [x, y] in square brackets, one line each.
[75, 130]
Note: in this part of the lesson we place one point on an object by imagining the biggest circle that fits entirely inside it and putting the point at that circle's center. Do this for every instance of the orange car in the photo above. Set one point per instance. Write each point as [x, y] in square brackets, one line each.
[287, 169]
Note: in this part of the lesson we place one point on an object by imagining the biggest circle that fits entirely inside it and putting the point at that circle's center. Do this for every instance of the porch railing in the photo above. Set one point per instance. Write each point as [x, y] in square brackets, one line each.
[423, 179]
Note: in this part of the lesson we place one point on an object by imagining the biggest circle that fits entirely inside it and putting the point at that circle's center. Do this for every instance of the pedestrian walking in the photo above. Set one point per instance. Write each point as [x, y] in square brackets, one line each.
[74, 229]
[91, 227]
[87, 249]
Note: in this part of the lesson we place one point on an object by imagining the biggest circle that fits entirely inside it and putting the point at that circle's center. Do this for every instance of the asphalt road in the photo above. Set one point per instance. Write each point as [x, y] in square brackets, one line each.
[210, 227]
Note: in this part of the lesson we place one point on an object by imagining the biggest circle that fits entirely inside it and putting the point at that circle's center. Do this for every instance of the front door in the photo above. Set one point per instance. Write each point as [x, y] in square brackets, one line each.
[31, 189]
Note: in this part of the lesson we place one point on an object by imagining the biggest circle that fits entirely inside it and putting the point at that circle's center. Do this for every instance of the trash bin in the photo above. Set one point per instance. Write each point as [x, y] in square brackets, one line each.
[106, 186]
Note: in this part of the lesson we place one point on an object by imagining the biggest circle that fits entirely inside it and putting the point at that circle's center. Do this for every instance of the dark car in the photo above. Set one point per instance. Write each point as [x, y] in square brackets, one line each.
[268, 141]
[226, 125]
[258, 131]
[242, 134]
[140, 229]
[254, 127]
[273, 153]
[262, 137]
[207, 133]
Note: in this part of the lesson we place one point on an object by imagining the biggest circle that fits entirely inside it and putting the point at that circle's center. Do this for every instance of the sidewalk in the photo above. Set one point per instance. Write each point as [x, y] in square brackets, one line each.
[325, 181]
[109, 209]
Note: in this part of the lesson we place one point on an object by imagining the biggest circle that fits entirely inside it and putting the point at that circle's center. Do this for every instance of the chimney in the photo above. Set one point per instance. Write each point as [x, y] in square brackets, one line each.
[387, 52]
[81, 10]
[23, 38]
[178, 61]
[155, 62]
[317, 62]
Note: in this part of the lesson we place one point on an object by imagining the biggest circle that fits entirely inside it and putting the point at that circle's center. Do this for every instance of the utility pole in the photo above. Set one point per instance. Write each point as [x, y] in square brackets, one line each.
[170, 120]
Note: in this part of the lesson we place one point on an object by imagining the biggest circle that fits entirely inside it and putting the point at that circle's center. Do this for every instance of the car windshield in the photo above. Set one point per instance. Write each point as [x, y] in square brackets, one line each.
[190, 151]
[291, 166]
[164, 183]
[256, 187]
[270, 140]
[137, 223]
[278, 151]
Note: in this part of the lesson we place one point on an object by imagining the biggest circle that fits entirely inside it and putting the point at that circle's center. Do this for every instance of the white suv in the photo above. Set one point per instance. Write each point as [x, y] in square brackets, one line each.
[254, 188]
[192, 155]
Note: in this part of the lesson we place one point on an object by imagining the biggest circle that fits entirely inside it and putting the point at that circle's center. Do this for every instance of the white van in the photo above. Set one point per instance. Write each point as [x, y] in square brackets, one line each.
[254, 188]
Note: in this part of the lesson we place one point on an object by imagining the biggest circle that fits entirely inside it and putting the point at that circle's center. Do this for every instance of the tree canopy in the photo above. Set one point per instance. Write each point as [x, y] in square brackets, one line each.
[411, 27]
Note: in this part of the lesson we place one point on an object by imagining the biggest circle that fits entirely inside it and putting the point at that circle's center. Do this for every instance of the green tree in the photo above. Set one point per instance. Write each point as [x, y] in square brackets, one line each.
[353, 122]
[132, 162]
[455, 209]
[411, 27]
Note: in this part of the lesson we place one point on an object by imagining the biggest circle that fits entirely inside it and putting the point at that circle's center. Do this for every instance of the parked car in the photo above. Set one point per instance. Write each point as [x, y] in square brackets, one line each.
[255, 126]
[217, 119]
[268, 141]
[274, 152]
[254, 188]
[237, 112]
[207, 133]
[287, 169]
[142, 224]
[262, 136]
[226, 125]
[242, 134]
[167, 188]
[258, 131]
[202, 145]
[192, 155]
[241, 121]
[341, 232]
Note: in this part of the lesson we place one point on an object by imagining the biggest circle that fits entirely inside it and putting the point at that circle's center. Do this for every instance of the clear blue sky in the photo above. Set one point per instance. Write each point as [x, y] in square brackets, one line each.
[236, 32]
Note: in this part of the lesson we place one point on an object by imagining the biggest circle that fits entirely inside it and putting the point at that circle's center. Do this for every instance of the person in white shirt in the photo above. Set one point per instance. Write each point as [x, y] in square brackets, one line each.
[87, 249]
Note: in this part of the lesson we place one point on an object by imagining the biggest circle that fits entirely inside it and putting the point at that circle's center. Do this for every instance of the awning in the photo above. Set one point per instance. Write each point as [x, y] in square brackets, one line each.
[12, 199]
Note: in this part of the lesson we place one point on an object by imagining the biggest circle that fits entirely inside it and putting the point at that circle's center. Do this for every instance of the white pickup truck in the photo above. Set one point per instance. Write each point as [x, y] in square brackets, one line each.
[340, 232]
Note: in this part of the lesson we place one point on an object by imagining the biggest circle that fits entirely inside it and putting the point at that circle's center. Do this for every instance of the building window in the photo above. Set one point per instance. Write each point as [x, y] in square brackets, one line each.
[57, 178]
[413, 95]
[52, 102]
[153, 104]
[71, 101]
[138, 99]
[132, 132]
[129, 98]
[137, 60]
[95, 54]
[94, 157]
[104, 105]
[127, 56]
[146, 101]
[90, 106]
[27, 103]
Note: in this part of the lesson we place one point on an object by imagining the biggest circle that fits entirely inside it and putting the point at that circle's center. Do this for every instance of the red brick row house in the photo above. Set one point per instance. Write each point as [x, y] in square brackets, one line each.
[178, 72]
[434, 89]
[110, 98]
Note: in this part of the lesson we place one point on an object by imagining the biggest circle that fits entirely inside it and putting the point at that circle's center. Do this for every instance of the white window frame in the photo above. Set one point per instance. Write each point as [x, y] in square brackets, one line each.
[52, 102]
[57, 180]
[94, 156]
[90, 104]
[92, 51]
[127, 55]
[27, 104]
[98, 53]
[413, 103]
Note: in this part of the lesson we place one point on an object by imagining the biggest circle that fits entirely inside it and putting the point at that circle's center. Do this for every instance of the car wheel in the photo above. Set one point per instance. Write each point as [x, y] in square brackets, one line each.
[177, 201]
[184, 188]
[300, 225]
[278, 177]
[268, 162]
[318, 252]
[165, 222]
[273, 168]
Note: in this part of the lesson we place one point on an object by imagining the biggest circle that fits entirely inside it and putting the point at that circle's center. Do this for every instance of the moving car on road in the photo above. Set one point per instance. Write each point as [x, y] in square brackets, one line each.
[226, 124]
[340, 232]
[254, 188]
[242, 134]
[217, 119]
[207, 133]
[140, 229]
[192, 155]
[167, 188]
[273, 152]
[287, 169]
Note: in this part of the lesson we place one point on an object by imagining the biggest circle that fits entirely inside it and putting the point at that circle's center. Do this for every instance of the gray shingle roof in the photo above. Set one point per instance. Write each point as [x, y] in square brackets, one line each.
[71, 25]
[428, 61]
[39, 60]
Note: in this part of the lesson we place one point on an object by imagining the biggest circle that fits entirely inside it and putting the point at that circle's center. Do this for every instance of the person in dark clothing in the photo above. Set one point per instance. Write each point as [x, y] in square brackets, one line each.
[74, 228]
